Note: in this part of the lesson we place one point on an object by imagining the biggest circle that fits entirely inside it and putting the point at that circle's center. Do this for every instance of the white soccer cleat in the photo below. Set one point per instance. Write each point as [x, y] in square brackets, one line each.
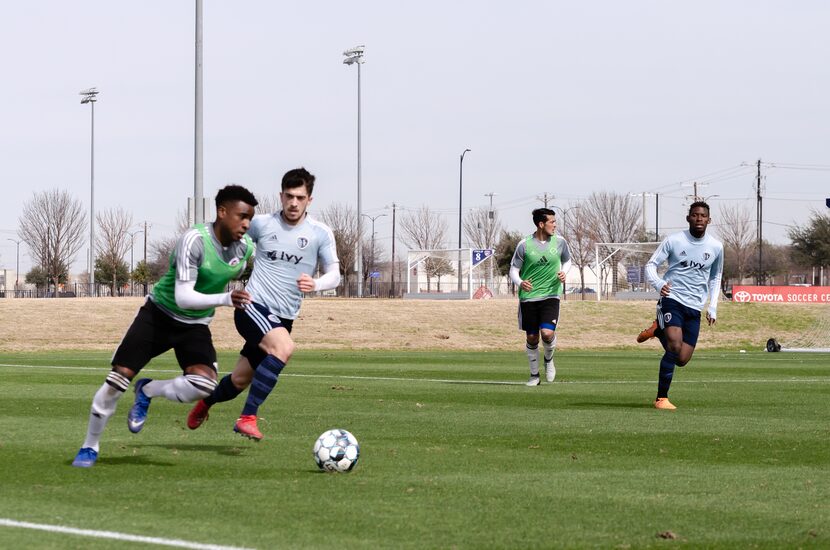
[550, 371]
[534, 381]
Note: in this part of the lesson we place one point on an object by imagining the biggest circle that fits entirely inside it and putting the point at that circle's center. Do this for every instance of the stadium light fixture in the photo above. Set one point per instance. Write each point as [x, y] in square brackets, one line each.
[90, 95]
[354, 56]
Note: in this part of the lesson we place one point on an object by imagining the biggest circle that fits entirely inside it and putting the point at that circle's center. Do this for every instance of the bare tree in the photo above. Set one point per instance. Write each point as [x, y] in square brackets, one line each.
[612, 218]
[736, 230]
[342, 220]
[482, 227]
[268, 204]
[113, 240]
[580, 242]
[424, 230]
[53, 224]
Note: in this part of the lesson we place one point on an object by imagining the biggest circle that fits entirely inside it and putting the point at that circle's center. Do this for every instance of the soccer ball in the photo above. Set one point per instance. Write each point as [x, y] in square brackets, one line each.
[336, 451]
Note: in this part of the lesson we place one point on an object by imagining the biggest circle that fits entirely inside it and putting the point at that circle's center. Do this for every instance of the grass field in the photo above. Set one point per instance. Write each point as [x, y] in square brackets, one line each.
[455, 452]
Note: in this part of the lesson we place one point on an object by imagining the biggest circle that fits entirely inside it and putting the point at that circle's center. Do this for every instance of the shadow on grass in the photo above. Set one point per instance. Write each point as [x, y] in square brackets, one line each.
[137, 460]
[612, 405]
[227, 450]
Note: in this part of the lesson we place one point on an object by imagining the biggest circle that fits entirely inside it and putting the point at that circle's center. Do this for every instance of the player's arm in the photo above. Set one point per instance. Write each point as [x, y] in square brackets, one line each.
[330, 278]
[189, 256]
[565, 260]
[715, 275]
[660, 255]
[516, 265]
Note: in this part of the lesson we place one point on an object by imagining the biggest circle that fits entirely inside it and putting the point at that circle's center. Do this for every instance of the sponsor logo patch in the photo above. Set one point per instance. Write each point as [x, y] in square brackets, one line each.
[741, 296]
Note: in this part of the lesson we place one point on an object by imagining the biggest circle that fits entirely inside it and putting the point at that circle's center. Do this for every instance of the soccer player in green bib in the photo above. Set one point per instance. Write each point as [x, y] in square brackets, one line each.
[176, 316]
[538, 268]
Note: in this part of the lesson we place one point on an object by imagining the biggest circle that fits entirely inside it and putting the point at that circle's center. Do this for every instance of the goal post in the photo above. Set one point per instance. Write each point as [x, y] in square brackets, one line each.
[447, 274]
[621, 267]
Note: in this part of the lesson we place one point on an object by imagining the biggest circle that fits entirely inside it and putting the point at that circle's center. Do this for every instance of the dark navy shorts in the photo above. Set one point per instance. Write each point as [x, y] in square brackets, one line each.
[153, 332]
[254, 322]
[538, 314]
[671, 313]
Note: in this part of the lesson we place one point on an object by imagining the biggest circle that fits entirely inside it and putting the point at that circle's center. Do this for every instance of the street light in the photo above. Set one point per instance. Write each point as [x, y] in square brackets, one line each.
[17, 266]
[91, 96]
[460, 195]
[354, 56]
[373, 218]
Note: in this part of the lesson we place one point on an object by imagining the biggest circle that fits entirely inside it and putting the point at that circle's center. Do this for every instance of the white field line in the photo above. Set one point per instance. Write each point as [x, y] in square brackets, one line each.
[463, 381]
[115, 536]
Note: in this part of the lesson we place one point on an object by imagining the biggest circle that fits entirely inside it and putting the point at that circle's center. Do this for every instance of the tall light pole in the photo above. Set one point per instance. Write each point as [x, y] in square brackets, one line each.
[198, 191]
[460, 195]
[91, 96]
[354, 56]
[16, 266]
[372, 259]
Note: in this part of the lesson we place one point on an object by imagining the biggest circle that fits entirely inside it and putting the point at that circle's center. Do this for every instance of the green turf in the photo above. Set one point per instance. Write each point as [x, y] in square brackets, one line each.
[450, 455]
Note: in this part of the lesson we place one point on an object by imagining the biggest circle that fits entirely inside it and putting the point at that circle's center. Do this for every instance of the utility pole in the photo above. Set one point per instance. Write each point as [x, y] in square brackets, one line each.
[644, 195]
[656, 216]
[545, 198]
[145, 243]
[489, 237]
[760, 213]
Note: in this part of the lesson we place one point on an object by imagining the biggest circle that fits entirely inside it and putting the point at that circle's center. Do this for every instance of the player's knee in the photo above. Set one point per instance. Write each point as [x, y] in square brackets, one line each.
[129, 374]
[282, 348]
[548, 335]
[533, 339]
[192, 387]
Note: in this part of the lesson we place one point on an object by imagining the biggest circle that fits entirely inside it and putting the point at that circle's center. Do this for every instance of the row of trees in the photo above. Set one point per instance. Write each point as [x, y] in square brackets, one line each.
[53, 225]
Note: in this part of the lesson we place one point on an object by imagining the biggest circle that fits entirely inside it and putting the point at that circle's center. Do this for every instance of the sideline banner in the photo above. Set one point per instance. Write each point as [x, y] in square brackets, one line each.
[783, 294]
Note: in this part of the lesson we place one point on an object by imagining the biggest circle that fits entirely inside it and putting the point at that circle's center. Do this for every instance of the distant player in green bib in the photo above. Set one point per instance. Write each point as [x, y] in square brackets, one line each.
[538, 268]
[176, 316]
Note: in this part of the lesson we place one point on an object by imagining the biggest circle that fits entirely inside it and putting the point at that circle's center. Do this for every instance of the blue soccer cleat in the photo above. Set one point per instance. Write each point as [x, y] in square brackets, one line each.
[85, 458]
[138, 412]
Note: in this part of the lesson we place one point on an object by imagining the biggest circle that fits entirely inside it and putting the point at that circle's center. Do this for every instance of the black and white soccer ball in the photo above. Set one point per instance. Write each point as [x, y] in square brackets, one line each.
[336, 451]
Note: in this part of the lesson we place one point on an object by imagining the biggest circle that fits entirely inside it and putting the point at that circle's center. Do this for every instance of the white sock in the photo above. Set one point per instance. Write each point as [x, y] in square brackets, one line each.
[549, 347]
[533, 359]
[184, 389]
[103, 407]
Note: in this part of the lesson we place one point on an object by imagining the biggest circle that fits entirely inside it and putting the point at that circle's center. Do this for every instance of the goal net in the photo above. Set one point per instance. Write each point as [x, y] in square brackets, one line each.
[448, 274]
[621, 267]
[815, 339]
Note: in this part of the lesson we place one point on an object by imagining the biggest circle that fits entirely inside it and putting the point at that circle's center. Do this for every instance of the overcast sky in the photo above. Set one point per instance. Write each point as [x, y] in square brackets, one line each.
[563, 98]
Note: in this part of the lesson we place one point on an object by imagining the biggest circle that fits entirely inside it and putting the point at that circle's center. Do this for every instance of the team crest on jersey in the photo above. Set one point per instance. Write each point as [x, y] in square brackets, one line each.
[302, 242]
[233, 262]
[706, 256]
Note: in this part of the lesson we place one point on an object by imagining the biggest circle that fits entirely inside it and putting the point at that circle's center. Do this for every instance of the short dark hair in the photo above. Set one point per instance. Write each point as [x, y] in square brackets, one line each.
[297, 178]
[698, 204]
[541, 215]
[234, 193]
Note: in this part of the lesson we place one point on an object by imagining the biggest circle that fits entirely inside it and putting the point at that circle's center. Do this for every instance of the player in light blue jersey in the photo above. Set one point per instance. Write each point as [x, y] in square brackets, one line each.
[289, 248]
[695, 266]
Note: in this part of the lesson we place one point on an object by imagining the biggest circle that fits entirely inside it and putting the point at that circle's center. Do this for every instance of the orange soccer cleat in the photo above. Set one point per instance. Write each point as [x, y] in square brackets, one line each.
[246, 426]
[647, 334]
[664, 404]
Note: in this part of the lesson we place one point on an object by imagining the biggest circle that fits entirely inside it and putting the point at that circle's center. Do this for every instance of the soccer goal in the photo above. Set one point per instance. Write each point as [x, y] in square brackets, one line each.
[621, 267]
[448, 274]
[814, 340]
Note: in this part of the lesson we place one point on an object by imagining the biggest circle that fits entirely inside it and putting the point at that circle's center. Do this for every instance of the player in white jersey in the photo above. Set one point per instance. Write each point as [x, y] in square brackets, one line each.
[695, 263]
[290, 247]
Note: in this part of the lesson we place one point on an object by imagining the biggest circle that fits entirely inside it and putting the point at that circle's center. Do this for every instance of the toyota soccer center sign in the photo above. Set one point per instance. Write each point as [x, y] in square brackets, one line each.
[782, 294]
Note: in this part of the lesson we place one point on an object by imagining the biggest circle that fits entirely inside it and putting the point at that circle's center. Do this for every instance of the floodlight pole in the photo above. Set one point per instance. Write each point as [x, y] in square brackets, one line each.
[354, 56]
[16, 266]
[91, 96]
[198, 160]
